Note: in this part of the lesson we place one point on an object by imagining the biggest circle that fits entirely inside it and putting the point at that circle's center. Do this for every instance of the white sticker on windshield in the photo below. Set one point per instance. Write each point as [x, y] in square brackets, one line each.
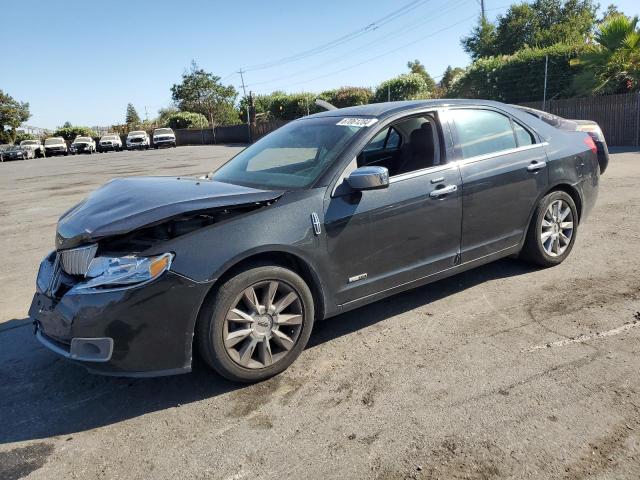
[357, 122]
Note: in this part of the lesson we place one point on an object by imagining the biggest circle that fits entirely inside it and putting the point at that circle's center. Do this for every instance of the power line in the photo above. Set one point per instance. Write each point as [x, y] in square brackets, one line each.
[389, 52]
[345, 38]
[403, 30]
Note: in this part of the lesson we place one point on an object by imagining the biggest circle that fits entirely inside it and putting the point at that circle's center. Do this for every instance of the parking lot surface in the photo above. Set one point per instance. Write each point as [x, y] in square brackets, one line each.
[506, 371]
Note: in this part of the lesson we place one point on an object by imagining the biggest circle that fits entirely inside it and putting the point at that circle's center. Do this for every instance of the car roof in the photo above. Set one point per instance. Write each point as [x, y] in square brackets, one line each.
[385, 109]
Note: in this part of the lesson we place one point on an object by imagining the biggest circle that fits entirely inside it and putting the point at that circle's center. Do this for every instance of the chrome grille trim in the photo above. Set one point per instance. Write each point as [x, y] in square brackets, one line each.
[77, 260]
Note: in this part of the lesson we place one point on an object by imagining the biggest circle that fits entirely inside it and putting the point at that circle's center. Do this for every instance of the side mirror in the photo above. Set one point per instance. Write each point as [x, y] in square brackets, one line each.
[369, 178]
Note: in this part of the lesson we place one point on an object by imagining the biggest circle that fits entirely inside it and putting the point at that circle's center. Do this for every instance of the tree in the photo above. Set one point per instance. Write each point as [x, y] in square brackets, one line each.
[12, 114]
[410, 86]
[132, 118]
[450, 76]
[481, 42]
[179, 120]
[202, 92]
[165, 113]
[417, 67]
[71, 132]
[612, 63]
[66, 124]
[537, 25]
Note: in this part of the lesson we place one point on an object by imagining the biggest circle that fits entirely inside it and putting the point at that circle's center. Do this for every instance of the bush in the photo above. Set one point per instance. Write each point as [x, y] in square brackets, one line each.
[70, 133]
[519, 77]
[20, 136]
[186, 120]
[348, 96]
[410, 86]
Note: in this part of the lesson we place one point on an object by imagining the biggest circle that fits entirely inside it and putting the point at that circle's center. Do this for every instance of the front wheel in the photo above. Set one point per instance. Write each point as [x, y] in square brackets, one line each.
[256, 324]
[552, 232]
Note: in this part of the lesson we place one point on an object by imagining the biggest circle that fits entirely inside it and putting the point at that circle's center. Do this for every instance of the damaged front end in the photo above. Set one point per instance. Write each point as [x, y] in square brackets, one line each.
[107, 296]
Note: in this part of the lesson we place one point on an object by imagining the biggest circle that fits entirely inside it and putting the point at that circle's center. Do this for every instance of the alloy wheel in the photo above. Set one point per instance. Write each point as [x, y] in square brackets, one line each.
[263, 325]
[557, 228]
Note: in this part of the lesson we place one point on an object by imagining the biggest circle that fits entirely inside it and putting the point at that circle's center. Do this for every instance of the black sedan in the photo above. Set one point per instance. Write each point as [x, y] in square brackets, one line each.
[328, 213]
[16, 152]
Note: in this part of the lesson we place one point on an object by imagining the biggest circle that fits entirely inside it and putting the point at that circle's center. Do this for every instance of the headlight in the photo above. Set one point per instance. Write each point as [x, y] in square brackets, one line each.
[115, 272]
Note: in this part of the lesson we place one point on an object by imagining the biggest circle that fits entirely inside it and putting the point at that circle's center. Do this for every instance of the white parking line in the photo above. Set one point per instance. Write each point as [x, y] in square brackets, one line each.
[584, 338]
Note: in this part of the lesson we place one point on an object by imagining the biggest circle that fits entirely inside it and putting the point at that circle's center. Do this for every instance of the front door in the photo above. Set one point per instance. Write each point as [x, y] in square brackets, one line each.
[380, 239]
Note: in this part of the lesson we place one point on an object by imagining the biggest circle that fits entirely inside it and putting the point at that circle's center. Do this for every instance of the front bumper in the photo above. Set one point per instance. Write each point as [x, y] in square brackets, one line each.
[150, 327]
[162, 143]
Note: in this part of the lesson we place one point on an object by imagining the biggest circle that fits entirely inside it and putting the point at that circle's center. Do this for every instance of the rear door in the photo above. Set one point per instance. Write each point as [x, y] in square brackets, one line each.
[504, 172]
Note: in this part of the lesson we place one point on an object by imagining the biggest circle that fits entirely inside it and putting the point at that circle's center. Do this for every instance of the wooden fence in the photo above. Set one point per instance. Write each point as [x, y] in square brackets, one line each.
[617, 115]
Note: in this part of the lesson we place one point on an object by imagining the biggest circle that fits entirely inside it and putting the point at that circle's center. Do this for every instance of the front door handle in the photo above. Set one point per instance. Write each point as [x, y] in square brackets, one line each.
[441, 192]
[536, 166]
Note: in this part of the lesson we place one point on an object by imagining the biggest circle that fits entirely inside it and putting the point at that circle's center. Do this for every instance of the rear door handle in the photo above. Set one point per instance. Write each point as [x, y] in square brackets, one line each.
[536, 166]
[441, 192]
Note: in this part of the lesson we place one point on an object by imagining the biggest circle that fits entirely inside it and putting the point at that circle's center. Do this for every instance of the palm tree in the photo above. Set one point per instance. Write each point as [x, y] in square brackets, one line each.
[612, 63]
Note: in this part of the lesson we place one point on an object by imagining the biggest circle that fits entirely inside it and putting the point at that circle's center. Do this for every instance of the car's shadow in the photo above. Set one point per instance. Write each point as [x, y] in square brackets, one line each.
[42, 395]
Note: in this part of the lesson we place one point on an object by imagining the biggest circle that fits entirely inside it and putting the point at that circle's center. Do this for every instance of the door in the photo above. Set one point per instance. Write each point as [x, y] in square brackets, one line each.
[503, 169]
[380, 239]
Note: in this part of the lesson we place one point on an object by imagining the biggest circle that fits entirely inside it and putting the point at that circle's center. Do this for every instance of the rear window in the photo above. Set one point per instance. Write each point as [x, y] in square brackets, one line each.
[481, 132]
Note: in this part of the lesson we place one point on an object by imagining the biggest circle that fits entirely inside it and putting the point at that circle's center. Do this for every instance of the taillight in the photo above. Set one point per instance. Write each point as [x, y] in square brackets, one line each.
[591, 144]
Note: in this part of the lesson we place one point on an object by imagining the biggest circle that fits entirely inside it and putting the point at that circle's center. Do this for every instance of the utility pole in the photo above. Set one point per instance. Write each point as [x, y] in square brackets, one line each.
[544, 95]
[242, 79]
[249, 104]
[146, 115]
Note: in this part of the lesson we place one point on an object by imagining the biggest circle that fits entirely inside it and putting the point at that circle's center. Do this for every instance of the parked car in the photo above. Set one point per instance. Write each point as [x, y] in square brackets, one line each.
[110, 141]
[588, 126]
[138, 139]
[55, 146]
[328, 213]
[36, 145]
[83, 145]
[17, 152]
[164, 137]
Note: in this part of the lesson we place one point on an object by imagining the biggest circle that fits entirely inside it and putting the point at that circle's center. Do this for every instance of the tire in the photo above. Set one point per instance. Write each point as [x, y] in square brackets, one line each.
[212, 325]
[546, 245]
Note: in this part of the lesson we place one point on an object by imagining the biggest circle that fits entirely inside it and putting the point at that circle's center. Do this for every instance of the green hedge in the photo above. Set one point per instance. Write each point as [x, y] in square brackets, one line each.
[519, 77]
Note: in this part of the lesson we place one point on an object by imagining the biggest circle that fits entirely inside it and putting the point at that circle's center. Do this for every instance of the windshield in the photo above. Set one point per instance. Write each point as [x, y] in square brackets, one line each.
[83, 139]
[29, 142]
[161, 131]
[13, 148]
[108, 137]
[293, 156]
[53, 141]
[136, 133]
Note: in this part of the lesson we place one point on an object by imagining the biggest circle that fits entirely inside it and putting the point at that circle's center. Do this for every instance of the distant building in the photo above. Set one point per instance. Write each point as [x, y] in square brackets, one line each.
[37, 131]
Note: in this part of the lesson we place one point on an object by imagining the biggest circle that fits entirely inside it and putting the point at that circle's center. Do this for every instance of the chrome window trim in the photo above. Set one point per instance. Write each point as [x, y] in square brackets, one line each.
[421, 172]
[500, 153]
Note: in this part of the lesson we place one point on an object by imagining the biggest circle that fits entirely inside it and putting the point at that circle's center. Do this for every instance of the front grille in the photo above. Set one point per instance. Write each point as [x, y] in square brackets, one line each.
[76, 261]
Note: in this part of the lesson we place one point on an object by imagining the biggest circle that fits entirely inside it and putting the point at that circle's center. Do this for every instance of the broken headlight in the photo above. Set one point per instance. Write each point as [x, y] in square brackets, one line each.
[118, 272]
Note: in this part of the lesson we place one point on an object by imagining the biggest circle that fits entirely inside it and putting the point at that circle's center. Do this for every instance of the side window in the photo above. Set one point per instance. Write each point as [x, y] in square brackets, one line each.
[393, 141]
[522, 135]
[483, 131]
[377, 143]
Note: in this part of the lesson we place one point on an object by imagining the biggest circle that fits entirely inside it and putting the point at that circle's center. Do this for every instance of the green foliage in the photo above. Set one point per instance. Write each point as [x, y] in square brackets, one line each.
[164, 114]
[283, 106]
[612, 63]
[540, 24]
[70, 133]
[179, 120]
[132, 118]
[20, 136]
[347, 96]
[450, 76]
[202, 92]
[409, 86]
[12, 114]
[520, 77]
[482, 40]
[417, 67]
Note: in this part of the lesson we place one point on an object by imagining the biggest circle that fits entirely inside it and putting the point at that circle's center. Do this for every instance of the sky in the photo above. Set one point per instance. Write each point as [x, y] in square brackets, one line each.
[82, 61]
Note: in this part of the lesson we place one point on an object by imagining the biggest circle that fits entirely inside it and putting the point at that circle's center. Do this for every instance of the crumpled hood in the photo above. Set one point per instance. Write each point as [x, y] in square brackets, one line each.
[125, 204]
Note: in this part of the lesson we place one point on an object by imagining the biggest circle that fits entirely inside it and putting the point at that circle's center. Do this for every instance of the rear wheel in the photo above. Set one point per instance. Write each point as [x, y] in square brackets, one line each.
[257, 323]
[553, 230]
